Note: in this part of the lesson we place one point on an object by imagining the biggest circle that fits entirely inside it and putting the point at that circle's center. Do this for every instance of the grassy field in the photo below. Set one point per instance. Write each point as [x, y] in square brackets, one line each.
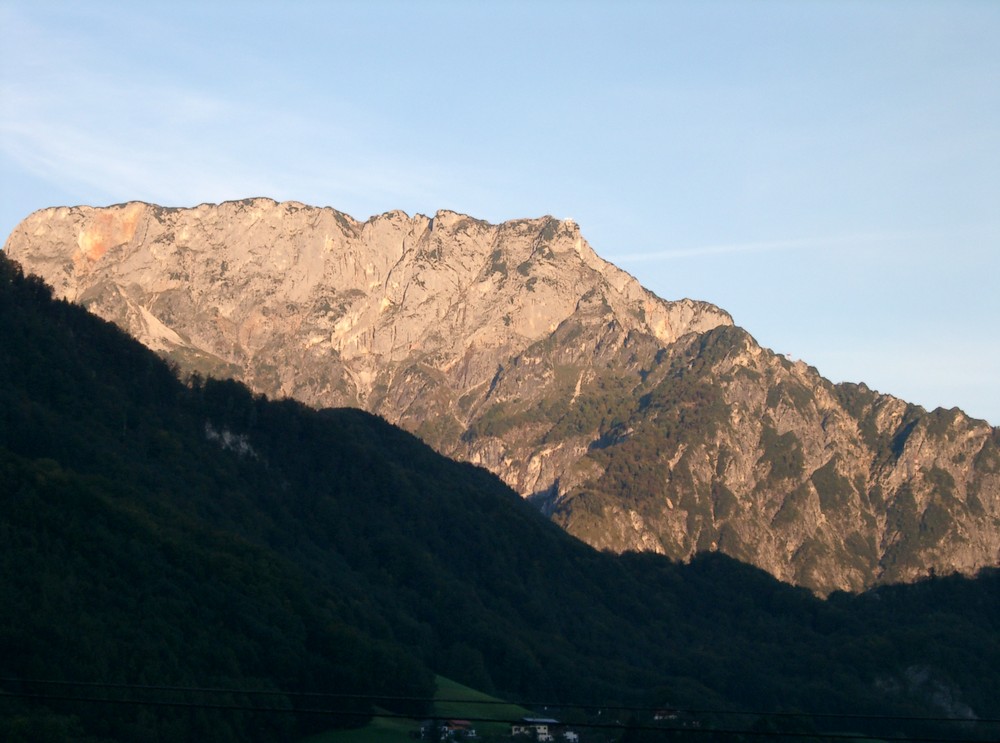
[452, 701]
[455, 701]
[379, 730]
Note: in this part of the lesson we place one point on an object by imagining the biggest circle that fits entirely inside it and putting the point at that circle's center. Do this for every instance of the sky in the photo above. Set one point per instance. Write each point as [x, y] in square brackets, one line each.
[827, 172]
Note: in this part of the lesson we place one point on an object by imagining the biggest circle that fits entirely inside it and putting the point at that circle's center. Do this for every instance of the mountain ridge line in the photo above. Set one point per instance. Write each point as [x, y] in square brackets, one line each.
[633, 421]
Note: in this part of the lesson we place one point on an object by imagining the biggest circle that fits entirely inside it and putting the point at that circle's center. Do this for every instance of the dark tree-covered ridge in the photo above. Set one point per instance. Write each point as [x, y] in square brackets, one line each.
[195, 534]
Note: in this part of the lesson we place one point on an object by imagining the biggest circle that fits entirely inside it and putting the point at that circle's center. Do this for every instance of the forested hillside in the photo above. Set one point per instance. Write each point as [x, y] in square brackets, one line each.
[160, 533]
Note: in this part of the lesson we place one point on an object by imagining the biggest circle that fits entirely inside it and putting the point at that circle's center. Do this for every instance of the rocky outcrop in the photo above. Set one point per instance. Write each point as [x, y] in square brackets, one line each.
[635, 422]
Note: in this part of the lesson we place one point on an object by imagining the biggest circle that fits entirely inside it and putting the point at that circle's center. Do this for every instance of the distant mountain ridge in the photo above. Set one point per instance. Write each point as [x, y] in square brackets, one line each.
[635, 422]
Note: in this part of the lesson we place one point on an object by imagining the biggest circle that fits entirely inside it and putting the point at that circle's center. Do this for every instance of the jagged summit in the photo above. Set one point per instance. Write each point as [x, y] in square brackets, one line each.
[636, 422]
[450, 286]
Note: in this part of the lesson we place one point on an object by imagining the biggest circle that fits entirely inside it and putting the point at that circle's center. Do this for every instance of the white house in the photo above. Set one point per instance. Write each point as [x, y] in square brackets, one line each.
[537, 727]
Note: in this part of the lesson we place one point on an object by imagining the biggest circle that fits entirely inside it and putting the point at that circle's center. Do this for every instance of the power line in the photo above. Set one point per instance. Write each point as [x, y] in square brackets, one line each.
[179, 704]
[392, 715]
[374, 698]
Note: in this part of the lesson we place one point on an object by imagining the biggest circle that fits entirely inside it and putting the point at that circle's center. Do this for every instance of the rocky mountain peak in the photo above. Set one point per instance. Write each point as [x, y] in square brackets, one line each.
[635, 422]
[449, 287]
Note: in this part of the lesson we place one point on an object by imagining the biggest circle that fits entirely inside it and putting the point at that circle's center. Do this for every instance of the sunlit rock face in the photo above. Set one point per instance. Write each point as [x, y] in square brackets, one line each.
[635, 422]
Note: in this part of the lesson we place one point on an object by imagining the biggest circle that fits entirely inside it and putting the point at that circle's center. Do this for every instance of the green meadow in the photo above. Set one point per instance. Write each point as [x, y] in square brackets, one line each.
[452, 701]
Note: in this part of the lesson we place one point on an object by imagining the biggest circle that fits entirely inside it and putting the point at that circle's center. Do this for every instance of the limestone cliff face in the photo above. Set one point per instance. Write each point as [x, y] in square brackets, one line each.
[637, 423]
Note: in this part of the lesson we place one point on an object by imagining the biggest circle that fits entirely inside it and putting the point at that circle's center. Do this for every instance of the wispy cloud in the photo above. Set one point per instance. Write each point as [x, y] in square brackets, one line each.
[765, 246]
[124, 140]
[119, 134]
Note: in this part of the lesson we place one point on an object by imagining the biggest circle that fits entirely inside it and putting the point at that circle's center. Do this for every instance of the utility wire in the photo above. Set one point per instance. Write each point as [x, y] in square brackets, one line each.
[392, 715]
[527, 704]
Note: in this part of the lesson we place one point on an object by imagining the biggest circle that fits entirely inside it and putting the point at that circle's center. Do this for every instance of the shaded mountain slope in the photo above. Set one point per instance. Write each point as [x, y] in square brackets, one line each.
[157, 533]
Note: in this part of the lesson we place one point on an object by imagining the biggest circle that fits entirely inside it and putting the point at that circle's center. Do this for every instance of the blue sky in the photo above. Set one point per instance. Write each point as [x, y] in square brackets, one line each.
[828, 172]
